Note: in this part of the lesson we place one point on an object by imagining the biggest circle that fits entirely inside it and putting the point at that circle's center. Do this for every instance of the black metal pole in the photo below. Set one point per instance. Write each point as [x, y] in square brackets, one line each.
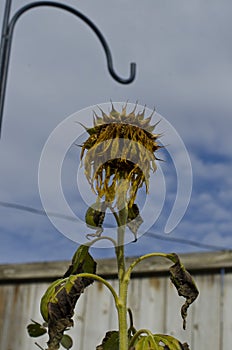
[3, 71]
[7, 35]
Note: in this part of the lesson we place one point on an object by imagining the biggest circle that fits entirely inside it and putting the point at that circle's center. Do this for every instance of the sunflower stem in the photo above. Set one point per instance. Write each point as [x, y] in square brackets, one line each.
[123, 283]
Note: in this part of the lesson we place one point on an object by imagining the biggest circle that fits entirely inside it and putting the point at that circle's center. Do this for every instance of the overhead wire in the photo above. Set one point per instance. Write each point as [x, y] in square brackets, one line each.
[148, 233]
[35, 210]
[185, 241]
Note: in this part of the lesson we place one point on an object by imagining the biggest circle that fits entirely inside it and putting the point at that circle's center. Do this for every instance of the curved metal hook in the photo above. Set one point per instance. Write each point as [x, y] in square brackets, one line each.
[7, 40]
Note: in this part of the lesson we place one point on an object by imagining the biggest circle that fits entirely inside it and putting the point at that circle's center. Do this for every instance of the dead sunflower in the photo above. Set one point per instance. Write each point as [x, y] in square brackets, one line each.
[120, 154]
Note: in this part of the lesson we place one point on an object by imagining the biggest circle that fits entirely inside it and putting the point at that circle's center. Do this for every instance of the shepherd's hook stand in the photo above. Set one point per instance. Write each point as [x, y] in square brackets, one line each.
[6, 40]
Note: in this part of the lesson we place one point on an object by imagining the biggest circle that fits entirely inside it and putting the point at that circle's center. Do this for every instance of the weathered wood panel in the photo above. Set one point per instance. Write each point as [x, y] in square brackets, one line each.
[151, 295]
[19, 303]
[51, 270]
[207, 313]
[226, 323]
[152, 298]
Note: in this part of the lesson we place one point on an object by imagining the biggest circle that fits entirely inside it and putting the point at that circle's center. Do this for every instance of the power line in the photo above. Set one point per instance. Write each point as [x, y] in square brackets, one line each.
[148, 233]
[35, 211]
[185, 241]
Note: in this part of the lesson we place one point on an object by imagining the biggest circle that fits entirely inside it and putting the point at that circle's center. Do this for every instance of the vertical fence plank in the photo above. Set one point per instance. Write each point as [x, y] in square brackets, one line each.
[29, 306]
[152, 304]
[134, 299]
[113, 318]
[227, 312]
[206, 324]
[97, 317]
[22, 303]
[5, 317]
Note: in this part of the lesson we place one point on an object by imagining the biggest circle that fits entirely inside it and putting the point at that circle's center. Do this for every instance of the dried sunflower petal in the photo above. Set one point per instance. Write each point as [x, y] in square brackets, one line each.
[120, 147]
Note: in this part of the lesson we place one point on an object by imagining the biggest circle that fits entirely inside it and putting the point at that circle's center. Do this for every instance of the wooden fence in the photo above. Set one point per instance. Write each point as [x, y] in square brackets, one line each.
[152, 297]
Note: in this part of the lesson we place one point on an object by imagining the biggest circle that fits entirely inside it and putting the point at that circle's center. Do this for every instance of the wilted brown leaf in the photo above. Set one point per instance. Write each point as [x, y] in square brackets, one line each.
[61, 304]
[184, 284]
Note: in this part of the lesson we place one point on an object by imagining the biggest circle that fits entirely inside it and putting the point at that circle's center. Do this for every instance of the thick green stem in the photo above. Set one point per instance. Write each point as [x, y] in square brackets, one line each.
[123, 283]
[122, 316]
[102, 280]
[170, 257]
[91, 243]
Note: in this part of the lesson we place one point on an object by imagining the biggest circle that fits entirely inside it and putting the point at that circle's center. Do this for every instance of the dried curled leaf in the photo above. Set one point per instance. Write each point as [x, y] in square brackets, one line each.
[61, 309]
[134, 220]
[184, 284]
[58, 302]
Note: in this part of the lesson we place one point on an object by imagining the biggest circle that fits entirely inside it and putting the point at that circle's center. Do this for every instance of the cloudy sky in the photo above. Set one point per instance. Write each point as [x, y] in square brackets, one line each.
[183, 54]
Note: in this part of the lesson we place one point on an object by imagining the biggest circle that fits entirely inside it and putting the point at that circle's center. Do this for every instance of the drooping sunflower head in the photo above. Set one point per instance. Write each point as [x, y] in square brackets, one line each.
[120, 154]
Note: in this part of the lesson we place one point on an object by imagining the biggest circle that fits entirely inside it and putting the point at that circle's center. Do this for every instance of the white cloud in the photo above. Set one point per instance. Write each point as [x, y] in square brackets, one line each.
[183, 54]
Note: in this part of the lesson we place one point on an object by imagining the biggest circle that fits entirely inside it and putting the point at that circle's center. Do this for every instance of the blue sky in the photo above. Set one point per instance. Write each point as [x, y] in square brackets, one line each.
[184, 61]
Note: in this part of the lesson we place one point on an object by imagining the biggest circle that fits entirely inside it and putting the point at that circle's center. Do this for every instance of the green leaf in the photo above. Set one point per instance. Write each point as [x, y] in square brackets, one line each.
[35, 329]
[82, 261]
[146, 343]
[66, 341]
[110, 342]
[46, 298]
[184, 284]
[95, 215]
[170, 342]
[159, 342]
